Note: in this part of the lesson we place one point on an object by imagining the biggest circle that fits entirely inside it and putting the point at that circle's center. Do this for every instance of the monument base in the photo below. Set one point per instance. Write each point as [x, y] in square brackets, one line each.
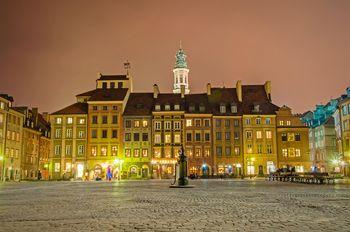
[181, 186]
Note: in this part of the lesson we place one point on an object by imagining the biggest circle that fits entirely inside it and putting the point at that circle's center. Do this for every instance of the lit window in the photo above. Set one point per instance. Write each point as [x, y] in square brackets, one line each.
[268, 134]
[82, 121]
[236, 150]
[144, 152]
[58, 120]
[288, 123]
[198, 152]
[188, 122]
[233, 109]
[144, 123]
[177, 138]
[157, 153]
[80, 149]
[167, 138]
[258, 135]
[68, 149]
[93, 151]
[136, 123]
[167, 107]
[104, 150]
[249, 148]
[284, 152]
[69, 120]
[176, 107]
[297, 152]
[291, 152]
[57, 149]
[222, 109]
[206, 152]
[136, 153]
[281, 123]
[157, 138]
[291, 137]
[114, 150]
[69, 133]
[57, 167]
[157, 107]
[68, 167]
[127, 153]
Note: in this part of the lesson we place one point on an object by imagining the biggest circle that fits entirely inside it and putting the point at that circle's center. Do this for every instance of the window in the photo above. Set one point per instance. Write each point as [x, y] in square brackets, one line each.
[167, 107]
[227, 136]
[288, 123]
[237, 151]
[136, 137]
[1, 118]
[259, 148]
[69, 133]
[177, 138]
[236, 122]
[144, 152]
[104, 150]
[93, 151]
[188, 122]
[69, 120]
[259, 135]
[58, 120]
[297, 152]
[191, 108]
[80, 149]
[219, 151]
[157, 153]
[291, 152]
[227, 151]
[68, 149]
[157, 125]
[104, 119]
[189, 152]
[207, 137]
[197, 122]
[269, 148]
[268, 134]
[249, 134]
[198, 137]
[115, 119]
[114, 134]
[198, 152]
[247, 121]
[136, 153]
[236, 135]
[105, 108]
[57, 133]
[127, 153]
[127, 137]
[167, 138]
[17, 136]
[57, 167]
[249, 148]
[114, 150]
[94, 134]
[297, 137]
[167, 153]
[2, 105]
[177, 125]
[281, 123]
[145, 123]
[127, 123]
[227, 123]
[206, 122]
[268, 121]
[285, 152]
[167, 125]
[94, 119]
[206, 152]
[222, 109]
[157, 138]
[218, 122]
[82, 121]
[145, 137]
[258, 121]
[57, 150]
[157, 107]
[345, 110]
[136, 123]
[291, 137]
[233, 109]
[284, 137]
[176, 107]
[201, 108]
[104, 134]
[94, 108]
[104, 85]
[189, 137]
[218, 135]
[112, 84]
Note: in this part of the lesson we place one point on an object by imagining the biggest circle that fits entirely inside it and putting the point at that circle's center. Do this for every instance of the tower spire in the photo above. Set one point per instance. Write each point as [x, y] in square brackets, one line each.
[181, 72]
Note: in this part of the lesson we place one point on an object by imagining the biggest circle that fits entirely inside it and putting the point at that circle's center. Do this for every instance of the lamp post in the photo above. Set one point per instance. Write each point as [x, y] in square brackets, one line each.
[2, 158]
[120, 162]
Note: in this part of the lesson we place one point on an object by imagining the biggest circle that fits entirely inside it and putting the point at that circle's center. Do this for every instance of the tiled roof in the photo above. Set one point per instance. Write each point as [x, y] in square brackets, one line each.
[113, 77]
[139, 104]
[171, 99]
[197, 103]
[105, 94]
[224, 96]
[6, 96]
[76, 108]
[253, 95]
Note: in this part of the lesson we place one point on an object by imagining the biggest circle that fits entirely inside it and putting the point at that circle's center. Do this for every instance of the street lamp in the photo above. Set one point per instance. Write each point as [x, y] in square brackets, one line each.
[2, 158]
[120, 162]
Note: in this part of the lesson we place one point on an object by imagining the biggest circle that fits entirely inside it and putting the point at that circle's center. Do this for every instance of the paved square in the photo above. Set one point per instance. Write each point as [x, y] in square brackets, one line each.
[213, 205]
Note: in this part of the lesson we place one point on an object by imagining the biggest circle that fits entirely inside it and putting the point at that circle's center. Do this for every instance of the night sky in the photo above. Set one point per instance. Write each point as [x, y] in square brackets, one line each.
[52, 50]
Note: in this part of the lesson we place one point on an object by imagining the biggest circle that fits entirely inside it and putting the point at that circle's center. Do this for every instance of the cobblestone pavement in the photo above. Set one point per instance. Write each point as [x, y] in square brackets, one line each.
[213, 205]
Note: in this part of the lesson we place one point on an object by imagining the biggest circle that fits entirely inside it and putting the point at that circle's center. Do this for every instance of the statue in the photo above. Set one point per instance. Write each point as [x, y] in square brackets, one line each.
[182, 181]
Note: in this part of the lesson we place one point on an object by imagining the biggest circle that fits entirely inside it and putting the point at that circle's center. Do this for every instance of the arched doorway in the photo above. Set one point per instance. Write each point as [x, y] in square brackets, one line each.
[205, 170]
[144, 171]
[133, 172]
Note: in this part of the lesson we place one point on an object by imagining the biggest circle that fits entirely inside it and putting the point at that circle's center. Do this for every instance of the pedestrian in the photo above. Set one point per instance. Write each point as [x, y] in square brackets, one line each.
[39, 175]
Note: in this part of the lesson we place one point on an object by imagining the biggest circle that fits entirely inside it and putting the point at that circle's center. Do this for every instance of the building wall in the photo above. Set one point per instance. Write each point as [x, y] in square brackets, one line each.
[227, 138]
[30, 154]
[345, 135]
[69, 146]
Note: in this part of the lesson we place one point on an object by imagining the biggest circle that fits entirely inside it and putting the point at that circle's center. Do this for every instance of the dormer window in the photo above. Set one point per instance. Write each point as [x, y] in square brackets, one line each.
[139, 106]
[167, 107]
[256, 108]
[191, 108]
[222, 108]
[104, 85]
[120, 85]
[201, 108]
[157, 107]
[176, 107]
[233, 108]
[112, 85]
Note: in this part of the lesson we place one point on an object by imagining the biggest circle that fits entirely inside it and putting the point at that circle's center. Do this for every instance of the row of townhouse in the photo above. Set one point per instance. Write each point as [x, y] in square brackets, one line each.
[329, 135]
[235, 131]
[24, 142]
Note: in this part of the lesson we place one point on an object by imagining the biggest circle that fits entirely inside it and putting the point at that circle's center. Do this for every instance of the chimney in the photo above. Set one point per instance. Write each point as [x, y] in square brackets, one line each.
[239, 90]
[35, 115]
[182, 88]
[268, 89]
[45, 116]
[208, 89]
[155, 91]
